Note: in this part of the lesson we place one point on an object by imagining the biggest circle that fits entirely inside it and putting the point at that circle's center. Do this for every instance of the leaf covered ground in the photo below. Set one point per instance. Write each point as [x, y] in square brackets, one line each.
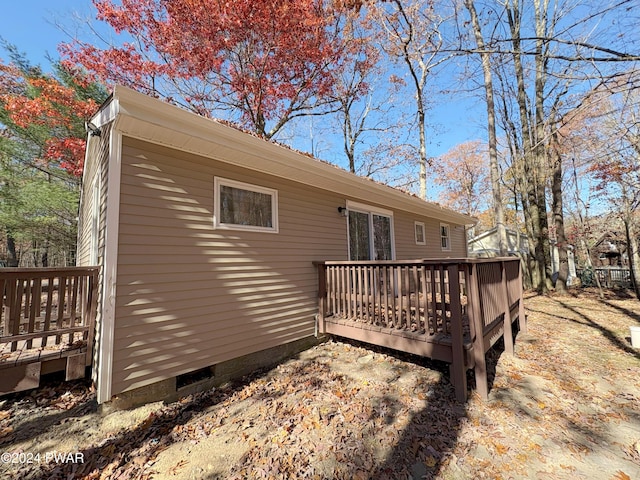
[567, 406]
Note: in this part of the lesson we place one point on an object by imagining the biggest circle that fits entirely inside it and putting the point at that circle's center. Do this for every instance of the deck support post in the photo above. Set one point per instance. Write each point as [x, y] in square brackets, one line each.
[477, 332]
[458, 368]
[322, 295]
[522, 318]
[508, 331]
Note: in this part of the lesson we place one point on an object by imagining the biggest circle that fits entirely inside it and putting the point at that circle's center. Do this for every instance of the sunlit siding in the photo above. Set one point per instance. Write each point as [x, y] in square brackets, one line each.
[188, 295]
[406, 247]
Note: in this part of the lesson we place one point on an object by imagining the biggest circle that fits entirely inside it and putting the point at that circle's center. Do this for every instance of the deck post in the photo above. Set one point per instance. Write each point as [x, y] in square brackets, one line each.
[90, 315]
[508, 331]
[477, 332]
[322, 295]
[458, 367]
[522, 317]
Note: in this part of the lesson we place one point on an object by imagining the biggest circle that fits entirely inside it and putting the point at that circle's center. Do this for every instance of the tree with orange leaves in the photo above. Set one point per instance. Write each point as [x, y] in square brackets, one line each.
[41, 159]
[462, 173]
[48, 109]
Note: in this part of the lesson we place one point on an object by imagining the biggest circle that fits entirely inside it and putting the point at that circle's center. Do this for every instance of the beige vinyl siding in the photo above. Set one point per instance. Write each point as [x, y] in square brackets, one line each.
[97, 165]
[188, 295]
[406, 243]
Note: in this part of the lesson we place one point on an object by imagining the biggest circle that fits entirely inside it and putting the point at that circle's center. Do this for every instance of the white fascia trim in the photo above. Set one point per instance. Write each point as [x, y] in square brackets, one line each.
[110, 266]
[155, 121]
[106, 114]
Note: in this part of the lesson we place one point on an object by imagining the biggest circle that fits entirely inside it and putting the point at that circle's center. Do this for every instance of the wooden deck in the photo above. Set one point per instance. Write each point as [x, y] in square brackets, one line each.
[452, 310]
[47, 319]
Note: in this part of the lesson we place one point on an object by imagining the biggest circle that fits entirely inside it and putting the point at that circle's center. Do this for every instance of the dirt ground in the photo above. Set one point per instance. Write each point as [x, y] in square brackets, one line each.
[567, 406]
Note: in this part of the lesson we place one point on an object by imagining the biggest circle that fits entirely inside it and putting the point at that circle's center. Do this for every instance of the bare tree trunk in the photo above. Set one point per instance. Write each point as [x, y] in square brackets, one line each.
[583, 223]
[12, 260]
[529, 160]
[423, 143]
[558, 220]
[540, 153]
[632, 252]
[491, 127]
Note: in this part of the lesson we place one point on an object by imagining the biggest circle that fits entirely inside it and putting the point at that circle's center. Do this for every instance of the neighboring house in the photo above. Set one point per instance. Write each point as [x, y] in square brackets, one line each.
[486, 245]
[610, 250]
[207, 236]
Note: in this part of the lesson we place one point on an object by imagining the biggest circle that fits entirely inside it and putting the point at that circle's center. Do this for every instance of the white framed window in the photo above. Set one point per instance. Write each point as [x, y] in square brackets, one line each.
[420, 233]
[243, 206]
[370, 232]
[445, 237]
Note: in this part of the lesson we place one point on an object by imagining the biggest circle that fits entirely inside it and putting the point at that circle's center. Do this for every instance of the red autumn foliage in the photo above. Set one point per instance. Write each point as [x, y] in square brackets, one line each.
[42, 101]
[265, 60]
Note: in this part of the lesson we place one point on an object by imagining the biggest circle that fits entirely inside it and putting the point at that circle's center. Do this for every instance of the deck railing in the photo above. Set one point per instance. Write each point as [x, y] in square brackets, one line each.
[40, 307]
[408, 296]
[455, 302]
[609, 277]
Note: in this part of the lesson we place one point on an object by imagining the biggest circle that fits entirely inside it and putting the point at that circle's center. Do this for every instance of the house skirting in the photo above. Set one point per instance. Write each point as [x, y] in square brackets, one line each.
[171, 389]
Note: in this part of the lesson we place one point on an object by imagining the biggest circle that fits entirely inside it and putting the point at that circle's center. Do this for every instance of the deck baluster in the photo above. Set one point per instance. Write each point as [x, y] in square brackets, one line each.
[36, 306]
[451, 309]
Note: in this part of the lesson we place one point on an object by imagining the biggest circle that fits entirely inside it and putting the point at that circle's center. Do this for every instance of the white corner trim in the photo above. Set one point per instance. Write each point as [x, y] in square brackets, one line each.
[110, 266]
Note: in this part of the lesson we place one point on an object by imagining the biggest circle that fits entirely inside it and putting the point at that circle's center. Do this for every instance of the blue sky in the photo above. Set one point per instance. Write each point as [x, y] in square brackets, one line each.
[31, 26]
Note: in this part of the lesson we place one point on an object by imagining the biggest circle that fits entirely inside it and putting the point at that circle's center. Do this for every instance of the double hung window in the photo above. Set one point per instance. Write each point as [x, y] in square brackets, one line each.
[445, 238]
[420, 235]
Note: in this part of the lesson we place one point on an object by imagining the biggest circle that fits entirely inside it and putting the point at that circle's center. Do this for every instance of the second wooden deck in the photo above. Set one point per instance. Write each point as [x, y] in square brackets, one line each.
[46, 324]
[448, 310]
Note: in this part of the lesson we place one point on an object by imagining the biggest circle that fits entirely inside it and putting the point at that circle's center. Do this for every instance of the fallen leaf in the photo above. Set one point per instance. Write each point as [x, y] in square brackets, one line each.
[430, 461]
[174, 470]
[620, 475]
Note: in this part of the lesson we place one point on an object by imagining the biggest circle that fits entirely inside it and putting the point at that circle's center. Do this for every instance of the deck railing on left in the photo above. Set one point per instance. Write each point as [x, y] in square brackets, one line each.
[45, 307]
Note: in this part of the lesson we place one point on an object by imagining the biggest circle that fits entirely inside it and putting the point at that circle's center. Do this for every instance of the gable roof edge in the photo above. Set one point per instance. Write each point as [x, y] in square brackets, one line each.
[149, 119]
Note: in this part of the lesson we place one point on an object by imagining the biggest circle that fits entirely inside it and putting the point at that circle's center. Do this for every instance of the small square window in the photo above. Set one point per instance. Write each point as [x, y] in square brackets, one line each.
[241, 206]
[445, 240]
[421, 238]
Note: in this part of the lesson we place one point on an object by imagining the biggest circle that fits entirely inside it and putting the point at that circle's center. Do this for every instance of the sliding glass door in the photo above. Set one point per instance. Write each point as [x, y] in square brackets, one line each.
[370, 234]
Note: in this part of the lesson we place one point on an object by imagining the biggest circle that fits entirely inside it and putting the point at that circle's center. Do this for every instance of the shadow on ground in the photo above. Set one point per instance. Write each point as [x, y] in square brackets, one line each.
[326, 395]
[61, 402]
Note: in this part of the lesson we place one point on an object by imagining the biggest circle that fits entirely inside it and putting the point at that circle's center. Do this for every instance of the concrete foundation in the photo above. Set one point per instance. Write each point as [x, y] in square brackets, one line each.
[221, 373]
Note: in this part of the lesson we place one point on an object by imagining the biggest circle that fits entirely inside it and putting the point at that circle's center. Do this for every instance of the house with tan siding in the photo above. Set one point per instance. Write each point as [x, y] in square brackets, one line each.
[207, 236]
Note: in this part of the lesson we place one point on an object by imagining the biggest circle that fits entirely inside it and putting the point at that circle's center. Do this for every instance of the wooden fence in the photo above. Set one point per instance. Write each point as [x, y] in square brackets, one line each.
[45, 314]
[451, 310]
